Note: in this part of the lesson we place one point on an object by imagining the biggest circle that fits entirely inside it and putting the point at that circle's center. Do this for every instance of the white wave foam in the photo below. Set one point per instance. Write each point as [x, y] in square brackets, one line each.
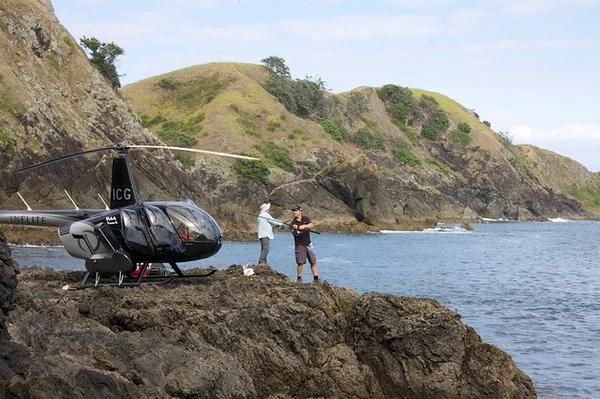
[34, 246]
[335, 260]
[558, 220]
[427, 231]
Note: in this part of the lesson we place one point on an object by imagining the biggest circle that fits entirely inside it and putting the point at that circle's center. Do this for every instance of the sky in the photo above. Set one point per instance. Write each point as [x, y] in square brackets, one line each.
[530, 67]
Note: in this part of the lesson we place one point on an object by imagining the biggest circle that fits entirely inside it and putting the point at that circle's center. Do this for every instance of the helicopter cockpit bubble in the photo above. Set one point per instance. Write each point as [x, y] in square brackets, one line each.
[161, 229]
[193, 224]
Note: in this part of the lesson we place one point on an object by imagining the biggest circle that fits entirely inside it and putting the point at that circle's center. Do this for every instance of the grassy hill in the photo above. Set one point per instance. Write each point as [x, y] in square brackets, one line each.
[431, 156]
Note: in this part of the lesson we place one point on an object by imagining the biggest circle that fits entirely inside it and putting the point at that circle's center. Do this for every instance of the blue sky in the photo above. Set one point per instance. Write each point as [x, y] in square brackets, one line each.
[530, 67]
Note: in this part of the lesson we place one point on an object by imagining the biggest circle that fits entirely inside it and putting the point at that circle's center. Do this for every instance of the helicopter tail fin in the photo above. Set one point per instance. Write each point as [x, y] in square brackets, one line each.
[123, 191]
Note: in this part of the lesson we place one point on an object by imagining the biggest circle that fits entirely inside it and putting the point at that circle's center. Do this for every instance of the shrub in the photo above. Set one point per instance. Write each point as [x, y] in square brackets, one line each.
[404, 155]
[70, 44]
[399, 103]
[337, 132]
[149, 122]
[176, 138]
[248, 127]
[302, 97]
[488, 124]
[464, 127]
[458, 136]
[186, 160]
[312, 166]
[428, 105]
[367, 140]
[279, 155]
[436, 120]
[505, 138]
[327, 105]
[435, 125]
[272, 125]
[9, 142]
[8, 105]
[168, 84]
[438, 165]
[103, 56]
[197, 92]
[277, 66]
[180, 134]
[356, 106]
[256, 171]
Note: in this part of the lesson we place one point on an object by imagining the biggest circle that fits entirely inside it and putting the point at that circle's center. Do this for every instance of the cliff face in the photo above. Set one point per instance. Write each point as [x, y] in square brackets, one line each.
[233, 336]
[52, 102]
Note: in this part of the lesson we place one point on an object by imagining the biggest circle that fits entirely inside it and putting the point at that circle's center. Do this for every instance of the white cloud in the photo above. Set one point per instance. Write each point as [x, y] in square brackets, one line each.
[368, 27]
[518, 45]
[574, 132]
[533, 7]
[246, 33]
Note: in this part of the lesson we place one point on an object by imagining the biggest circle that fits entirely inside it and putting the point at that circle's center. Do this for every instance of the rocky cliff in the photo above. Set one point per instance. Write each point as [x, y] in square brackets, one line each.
[233, 336]
[52, 102]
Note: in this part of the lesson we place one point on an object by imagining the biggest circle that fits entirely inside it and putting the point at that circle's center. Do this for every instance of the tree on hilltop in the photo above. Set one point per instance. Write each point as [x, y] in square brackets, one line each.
[103, 56]
[277, 66]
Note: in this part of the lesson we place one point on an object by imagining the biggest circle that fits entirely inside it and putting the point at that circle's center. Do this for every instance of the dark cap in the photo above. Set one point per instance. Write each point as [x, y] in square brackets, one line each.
[297, 208]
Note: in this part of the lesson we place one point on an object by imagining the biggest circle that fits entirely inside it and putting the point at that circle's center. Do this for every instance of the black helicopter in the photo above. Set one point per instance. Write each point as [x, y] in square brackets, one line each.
[129, 235]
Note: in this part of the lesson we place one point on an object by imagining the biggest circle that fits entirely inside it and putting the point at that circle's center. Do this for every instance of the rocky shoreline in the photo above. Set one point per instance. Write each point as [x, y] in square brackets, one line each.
[234, 336]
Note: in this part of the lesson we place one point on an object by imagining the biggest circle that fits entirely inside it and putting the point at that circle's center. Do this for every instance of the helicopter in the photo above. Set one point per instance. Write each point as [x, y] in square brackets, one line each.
[125, 238]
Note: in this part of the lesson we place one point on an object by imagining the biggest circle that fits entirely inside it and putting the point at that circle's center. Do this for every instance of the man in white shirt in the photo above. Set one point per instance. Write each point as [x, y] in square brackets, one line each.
[265, 231]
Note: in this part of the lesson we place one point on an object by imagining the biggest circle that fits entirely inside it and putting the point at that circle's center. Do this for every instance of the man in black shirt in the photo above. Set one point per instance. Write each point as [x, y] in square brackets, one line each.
[301, 226]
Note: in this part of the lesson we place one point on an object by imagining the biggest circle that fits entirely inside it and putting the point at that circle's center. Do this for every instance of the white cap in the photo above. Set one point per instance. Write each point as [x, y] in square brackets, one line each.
[265, 207]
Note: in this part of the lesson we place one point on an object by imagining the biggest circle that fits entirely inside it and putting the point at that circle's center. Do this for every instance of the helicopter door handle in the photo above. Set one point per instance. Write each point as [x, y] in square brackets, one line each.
[87, 243]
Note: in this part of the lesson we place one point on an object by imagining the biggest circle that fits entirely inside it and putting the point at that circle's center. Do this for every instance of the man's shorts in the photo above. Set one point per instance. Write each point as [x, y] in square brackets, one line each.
[304, 252]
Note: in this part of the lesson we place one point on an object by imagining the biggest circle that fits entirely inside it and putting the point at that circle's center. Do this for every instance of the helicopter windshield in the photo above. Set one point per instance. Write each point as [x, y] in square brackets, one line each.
[160, 228]
[193, 224]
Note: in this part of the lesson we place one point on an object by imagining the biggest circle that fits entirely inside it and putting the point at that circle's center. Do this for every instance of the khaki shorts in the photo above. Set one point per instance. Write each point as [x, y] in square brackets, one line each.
[304, 252]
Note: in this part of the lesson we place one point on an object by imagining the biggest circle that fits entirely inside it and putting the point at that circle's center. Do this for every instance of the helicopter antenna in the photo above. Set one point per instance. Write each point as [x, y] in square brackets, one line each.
[104, 202]
[76, 207]
[25, 202]
[223, 154]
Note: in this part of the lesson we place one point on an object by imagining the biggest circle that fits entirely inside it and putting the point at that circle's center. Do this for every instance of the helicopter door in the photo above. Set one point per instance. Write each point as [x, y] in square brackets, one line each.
[162, 231]
[134, 233]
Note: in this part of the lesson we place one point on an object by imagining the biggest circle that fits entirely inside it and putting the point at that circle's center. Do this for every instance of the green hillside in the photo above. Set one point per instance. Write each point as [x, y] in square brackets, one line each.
[430, 155]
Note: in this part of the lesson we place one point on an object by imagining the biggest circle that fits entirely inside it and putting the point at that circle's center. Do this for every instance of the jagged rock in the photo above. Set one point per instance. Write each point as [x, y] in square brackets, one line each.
[356, 183]
[14, 358]
[233, 336]
[8, 282]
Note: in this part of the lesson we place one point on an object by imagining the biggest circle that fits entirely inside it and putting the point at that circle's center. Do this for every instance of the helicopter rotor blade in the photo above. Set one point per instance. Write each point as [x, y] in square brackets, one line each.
[223, 154]
[62, 158]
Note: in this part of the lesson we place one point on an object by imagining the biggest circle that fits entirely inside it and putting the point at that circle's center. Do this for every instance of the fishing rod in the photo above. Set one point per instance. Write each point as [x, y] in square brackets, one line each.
[286, 224]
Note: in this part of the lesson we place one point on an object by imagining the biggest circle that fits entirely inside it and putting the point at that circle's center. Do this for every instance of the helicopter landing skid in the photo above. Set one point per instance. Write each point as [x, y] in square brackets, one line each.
[128, 281]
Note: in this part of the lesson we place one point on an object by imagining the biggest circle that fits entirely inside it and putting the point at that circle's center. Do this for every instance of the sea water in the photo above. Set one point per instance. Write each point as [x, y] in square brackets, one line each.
[532, 289]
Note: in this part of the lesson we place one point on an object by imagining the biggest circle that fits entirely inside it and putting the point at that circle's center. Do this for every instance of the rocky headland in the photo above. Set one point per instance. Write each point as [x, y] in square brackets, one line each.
[236, 336]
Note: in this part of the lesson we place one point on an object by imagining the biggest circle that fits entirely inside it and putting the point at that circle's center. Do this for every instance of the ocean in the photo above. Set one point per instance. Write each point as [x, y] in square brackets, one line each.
[530, 288]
